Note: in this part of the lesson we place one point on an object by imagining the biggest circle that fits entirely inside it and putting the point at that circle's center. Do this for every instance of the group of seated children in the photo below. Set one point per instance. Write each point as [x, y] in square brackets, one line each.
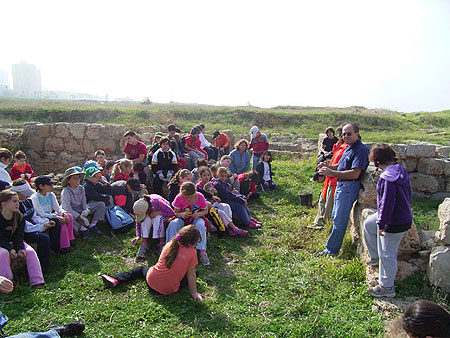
[35, 216]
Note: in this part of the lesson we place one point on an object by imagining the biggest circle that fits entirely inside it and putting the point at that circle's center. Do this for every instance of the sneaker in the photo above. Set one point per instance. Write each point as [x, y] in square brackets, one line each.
[231, 232]
[204, 259]
[254, 225]
[323, 253]
[65, 251]
[95, 231]
[255, 220]
[69, 329]
[373, 262]
[380, 291]
[84, 235]
[39, 286]
[240, 232]
[109, 281]
[141, 255]
[315, 227]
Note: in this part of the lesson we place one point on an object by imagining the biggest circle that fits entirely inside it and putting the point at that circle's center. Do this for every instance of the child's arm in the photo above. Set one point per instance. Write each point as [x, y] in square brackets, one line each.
[192, 283]
[153, 214]
[180, 213]
[200, 213]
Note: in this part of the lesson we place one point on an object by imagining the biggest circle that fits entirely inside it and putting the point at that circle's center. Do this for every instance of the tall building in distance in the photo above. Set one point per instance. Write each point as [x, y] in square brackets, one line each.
[26, 80]
[4, 83]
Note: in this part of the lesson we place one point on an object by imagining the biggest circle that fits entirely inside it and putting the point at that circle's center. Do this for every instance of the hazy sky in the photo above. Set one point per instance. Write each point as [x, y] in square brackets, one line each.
[379, 54]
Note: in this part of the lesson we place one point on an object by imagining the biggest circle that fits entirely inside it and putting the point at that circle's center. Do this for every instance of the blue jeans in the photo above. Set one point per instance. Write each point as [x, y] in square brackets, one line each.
[240, 212]
[255, 160]
[48, 334]
[344, 197]
[178, 223]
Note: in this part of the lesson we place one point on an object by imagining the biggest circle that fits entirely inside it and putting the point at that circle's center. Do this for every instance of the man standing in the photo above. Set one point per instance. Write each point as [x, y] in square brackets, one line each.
[259, 143]
[349, 172]
[134, 149]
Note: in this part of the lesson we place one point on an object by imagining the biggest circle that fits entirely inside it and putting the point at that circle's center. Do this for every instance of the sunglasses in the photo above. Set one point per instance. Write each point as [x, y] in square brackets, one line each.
[347, 134]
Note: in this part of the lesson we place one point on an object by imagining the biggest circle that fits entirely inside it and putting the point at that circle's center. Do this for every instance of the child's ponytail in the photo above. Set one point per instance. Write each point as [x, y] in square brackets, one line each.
[187, 236]
[182, 173]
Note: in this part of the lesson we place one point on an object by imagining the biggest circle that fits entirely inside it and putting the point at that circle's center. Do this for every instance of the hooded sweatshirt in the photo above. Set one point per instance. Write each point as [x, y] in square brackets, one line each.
[394, 200]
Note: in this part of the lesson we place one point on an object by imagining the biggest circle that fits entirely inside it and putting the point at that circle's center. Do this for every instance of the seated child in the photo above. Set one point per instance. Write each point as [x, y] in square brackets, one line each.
[46, 206]
[156, 144]
[183, 175]
[21, 169]
[36, 228]
[237, 202]
[123, 193]
[175, 267]
[248, 182]
[139, 173]
[264, 169]
[223, 209]
[73, 201]
[12, 246]
[225, 162]
[5, 161]
[190, 207]
[201, 162]
[121, 170]
[100, 158]
[164, 165]
[152, 211]
[107, 170]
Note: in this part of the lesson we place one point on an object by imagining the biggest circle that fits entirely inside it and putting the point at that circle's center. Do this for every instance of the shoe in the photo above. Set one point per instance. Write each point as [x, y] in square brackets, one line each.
[39, 286]
[84, 235]
[72, 243]
[240, 232]
[254, 225]
[256, 221]
[204, 259]
[380, 291]
[142, 253]
[65, 251]
[95, 231]
[231, 232]
[69, 329]
[109, 281]
[323, 253]
[212, 228]
[373, 262]
[315, 227]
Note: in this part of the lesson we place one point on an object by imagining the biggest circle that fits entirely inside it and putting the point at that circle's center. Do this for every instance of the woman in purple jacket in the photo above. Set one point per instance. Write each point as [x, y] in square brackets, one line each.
[384, 230]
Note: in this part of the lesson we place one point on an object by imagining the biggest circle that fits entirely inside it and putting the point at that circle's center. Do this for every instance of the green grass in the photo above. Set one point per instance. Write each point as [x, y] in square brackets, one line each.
[266, 285]
[375, 125]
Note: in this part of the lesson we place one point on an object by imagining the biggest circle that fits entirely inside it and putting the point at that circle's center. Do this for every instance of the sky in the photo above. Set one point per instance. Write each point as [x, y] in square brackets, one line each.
[392, 54]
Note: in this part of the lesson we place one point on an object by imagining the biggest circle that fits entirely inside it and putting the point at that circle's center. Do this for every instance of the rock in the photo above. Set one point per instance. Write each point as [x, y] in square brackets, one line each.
[425, 236]
[87, 146]
[61, 130]
[392, 304]
[400, 150]
[440, 196]
[447, 184]
[447, 168]
[410, 164]
[368, 192]
[410, 243]
[444, 220]
[95, 132]
[424, 253]
[443, 151]
[77, 130]
[72, 145]
[109, 146]
[53, 144]
[420, 150]
[431, 166]
[438, 271]
[358, 215]
[423, 183]
[405, 269]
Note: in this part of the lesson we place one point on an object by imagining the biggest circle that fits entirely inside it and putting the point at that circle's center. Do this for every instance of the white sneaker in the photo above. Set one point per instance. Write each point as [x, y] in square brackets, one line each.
[142, 252]
[380, 291]
[204, 260]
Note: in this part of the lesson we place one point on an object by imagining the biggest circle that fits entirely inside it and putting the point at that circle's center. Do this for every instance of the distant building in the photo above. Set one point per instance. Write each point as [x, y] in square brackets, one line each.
[4, 83]
[26, 80]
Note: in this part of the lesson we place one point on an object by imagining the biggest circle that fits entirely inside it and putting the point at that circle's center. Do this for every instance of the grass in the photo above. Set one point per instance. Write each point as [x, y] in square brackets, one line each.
[376, 125]
[266, 285]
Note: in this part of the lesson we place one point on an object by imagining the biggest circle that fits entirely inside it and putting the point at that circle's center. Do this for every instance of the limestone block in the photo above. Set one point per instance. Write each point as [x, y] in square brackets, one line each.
[208, 138]
[40, 129]
[410, 164]
[116, 131]
[410, 243]
[447, 168]
[54, 144]
[87, 146]
[428, 238]
[438, 271]
[420, 150]
[440, 196]
[109, 146]
[285, 146]
[35, 142]
[95, 132]
[358, 216]
[72, 145]
[443, 151]
[424, 183]
[368, 192]
[405, 269]
[145, 137]
[77, 130]
[422, 260]
[444, 220]
[400, 150]
[62, 130]
[447, 184]
[430, 166]
[282, 139]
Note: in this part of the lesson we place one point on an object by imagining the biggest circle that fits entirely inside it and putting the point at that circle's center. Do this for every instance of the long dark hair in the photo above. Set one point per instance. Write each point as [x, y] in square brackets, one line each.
[187, 236]
[382, 153]
[6, 196]
[425, 318]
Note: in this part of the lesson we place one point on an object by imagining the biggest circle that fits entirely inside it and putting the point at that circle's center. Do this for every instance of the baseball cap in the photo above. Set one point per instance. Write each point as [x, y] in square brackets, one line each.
[44, 180]
[4, 185]
[253, 131]
[91, 171]
[140, 208]
[134, 184]
[91, 163]
[159, 134]
[24, 189]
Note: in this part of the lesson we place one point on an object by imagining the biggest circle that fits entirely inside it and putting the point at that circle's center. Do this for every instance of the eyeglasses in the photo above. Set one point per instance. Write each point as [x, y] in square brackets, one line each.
[347, 134]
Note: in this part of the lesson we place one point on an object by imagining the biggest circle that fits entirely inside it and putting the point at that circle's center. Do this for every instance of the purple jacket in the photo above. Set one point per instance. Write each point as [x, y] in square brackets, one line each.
[225, 194]
[394, 199]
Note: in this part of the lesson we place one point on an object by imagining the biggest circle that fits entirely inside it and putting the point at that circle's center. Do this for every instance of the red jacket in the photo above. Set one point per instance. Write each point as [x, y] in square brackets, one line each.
[259, 144]
[17, 171]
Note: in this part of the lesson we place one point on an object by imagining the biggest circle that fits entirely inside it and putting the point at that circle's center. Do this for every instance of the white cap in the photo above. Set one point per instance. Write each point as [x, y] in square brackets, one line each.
[24, 189]
[253, 132]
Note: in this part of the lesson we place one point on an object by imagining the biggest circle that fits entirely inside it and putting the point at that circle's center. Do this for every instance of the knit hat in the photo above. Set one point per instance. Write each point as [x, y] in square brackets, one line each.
[253, 132]
[70, 172]
[140, 208]
[24, 189]
[91, 171]
[43, 180]
[216, 133]
[134, 184]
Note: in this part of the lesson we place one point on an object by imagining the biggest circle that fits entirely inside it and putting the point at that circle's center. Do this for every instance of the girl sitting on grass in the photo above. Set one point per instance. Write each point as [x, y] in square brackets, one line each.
[237, 202]
[121, 170]
[183, 175]
[175, 267]
[223, 209]
[264, 169]
[12, 246]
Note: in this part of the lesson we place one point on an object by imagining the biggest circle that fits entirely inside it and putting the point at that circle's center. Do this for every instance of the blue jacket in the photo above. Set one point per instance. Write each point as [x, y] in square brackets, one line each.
[239, 164]
[394, 199]
[98, 192]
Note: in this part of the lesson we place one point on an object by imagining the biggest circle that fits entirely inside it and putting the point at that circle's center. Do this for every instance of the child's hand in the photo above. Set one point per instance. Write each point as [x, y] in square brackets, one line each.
[85, 212]
[234, 191]
[28, 175]
[245, 204]
[266, 184]
[214, 191]
[183, 215]
[6, 286]
[13, 254]
[198, 296]
[66, 219]
[135, 240]
[22, 253]
[143, 186]
[216, 199]
[49, 225]
[61, 218]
